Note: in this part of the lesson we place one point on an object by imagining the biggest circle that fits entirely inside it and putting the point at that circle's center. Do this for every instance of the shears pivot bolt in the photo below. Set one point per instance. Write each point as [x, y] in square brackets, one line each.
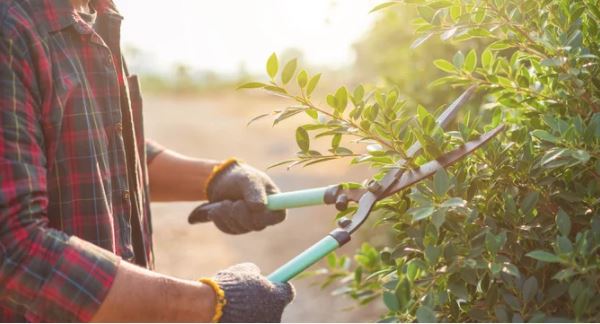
[341, 203]
[343, 222]
[374, 186]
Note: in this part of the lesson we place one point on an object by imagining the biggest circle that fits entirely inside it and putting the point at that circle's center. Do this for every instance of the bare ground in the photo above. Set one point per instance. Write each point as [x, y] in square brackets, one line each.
[214, 126]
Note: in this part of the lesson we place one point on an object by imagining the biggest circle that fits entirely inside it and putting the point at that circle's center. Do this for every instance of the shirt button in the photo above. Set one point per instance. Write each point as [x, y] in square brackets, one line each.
[126, 194]
[119, 128]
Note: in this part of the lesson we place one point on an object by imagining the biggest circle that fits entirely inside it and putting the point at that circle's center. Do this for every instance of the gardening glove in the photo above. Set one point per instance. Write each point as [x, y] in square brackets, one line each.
[244, 295]
[237, 198]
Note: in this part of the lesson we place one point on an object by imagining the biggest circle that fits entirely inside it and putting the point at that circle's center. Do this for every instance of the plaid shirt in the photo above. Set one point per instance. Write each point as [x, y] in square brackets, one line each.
[73, 179]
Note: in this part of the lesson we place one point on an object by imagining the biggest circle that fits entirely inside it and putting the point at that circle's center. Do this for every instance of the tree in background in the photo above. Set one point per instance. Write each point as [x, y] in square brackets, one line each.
[512, 233]
[383, 54]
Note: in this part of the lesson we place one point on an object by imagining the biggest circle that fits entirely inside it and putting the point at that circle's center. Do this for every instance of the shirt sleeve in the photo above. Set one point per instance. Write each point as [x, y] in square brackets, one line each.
[153, 149]
[44, 273]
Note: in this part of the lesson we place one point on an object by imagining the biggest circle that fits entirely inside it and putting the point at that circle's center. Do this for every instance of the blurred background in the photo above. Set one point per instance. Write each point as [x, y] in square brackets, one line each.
[191, 56]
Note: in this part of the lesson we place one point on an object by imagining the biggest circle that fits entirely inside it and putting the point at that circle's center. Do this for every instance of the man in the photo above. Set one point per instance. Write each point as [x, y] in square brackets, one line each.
[75, 231]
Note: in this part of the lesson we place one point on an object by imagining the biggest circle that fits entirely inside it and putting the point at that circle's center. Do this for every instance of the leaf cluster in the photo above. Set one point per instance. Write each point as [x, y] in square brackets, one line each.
[512, 233]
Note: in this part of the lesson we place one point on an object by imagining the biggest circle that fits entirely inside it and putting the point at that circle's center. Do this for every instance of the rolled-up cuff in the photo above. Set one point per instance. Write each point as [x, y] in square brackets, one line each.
[153, 149]
[77, 285]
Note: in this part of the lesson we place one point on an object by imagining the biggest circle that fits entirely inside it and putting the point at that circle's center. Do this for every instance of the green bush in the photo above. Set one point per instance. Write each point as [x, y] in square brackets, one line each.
[512, 233]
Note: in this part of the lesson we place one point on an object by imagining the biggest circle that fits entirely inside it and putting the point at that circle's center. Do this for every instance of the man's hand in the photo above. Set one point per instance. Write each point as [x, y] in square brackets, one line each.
[139, 295]
[250, 297]
[237, 195]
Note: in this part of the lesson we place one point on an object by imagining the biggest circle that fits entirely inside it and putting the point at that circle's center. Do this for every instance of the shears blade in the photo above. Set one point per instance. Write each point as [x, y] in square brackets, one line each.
[410, 177]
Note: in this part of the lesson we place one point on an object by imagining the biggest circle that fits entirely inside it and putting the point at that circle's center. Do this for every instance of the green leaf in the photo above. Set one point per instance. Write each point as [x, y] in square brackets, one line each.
[251, 85]
[555, 157]
[312, 84]
[358, 93]
[280, 163]
[471, 61]
[455, 12]
[449, 33]
[390, 301]
[335, 141]
[426, 12]
[403, 293]
[420, 40]
[432, 254]
[511, 269]
[421, 213]
[302, 79]
[501, 314]
[341, 99]
[512, 301]
[563, 222]
[272, 66]
[332, 101]
[438, 218]
[426, 315]
[454, 202]
[479, 16]
[544, 135]
[275, 89]
[553, 61]
[564, 245]
[487, 58]
[441, 183]
[543, 256]
[458, 289]
[331, 259]
[412, 269]
[564, 274]
[458, 59]
[302, 139]
[444, 66]
[507, 83]
[257, 118]
[493, 243]
[530, 288]
[581, 155]
[384, 5]
[529, 202]
[500, 45]
[288, 71]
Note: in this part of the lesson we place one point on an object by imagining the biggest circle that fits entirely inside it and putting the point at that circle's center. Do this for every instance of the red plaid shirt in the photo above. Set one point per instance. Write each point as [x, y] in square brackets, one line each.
[72, 161]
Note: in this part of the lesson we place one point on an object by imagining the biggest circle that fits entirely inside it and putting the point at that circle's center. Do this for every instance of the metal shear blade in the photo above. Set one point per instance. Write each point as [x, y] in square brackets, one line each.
[404, 179]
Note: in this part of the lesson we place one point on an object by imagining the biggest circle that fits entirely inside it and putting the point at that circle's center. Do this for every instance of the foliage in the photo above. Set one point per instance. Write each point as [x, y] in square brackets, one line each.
[383, 53]
[511, 233]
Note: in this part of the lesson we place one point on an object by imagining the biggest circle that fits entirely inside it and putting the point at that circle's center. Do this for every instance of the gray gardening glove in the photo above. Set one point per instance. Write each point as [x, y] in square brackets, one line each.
[237, 198]
[251, 297]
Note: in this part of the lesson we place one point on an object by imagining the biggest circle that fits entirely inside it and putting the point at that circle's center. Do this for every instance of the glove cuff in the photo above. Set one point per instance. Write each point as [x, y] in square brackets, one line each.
[220, 298]
[217, 171]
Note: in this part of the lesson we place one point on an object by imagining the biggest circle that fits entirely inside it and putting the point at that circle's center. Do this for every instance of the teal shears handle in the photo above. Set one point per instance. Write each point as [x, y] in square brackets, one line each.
[280, 201]
[295, 199]
[310, 256]
[304, 260]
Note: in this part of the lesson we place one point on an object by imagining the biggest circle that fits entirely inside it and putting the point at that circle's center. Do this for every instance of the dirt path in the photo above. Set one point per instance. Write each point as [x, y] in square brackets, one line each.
[214, 126]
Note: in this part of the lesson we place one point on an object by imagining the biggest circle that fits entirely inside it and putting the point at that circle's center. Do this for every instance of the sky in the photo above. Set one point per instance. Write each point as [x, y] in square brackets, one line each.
[223, 35]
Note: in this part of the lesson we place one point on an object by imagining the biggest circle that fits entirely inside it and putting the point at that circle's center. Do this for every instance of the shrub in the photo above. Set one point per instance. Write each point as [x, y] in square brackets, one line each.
[512, 233]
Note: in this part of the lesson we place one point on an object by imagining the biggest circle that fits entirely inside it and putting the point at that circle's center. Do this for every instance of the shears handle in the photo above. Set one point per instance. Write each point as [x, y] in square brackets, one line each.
[310, 256]
[287, 200]
[304, 260]
[280, 201]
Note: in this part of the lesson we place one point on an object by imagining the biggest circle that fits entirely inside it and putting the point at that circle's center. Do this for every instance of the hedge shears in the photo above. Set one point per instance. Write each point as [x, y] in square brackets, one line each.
[396, 179]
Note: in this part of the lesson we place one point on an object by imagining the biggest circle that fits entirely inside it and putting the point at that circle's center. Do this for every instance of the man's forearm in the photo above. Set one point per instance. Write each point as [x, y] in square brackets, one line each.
[139, 295]
[175, 177]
